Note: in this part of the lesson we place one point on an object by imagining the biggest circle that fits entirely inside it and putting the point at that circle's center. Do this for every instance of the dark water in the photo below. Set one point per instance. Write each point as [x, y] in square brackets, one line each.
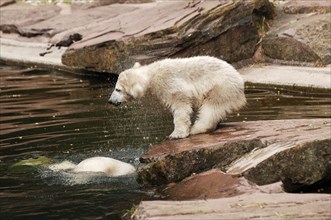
[66, 117]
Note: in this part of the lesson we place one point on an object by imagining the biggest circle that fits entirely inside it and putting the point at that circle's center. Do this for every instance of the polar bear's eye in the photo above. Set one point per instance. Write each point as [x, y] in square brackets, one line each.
[117, 90]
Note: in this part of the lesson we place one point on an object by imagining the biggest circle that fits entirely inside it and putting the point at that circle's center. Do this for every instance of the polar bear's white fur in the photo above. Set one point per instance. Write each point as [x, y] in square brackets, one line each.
[208, 85]
[105, 165]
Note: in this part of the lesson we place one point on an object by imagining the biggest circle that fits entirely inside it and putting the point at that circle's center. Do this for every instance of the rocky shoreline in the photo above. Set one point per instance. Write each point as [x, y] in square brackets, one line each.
[242, 170]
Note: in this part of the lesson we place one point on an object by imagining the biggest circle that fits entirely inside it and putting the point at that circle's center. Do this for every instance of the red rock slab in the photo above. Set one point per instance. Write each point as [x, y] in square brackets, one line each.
[298, 130]
[253, 206]
[295, 151]
[215, 184]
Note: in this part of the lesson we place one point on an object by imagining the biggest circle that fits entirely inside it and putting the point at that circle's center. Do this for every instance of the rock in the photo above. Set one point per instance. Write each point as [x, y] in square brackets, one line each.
[316, 33]
[288, 49]
[19, 20]
[214, 184]
[6, 2]
[223, 29]
[294, 163]
[298, 39]
[288, 76]
[114, 36]
[98, 3]
[29, 54]
[307, 6]
[288, 144]
[172, 161]
[252, 206]
[68, 40]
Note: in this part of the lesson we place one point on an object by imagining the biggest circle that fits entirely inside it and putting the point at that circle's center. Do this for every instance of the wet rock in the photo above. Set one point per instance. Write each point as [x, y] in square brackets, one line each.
[193, 155]
[252, 206]
[223, 29]
[215, 184]
[298, 150]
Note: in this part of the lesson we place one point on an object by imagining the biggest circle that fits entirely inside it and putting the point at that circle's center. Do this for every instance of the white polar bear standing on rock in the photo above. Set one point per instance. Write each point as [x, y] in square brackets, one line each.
[206, 84]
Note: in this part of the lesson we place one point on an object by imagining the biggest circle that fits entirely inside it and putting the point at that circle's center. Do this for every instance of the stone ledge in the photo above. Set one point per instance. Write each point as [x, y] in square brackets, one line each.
[172, 161]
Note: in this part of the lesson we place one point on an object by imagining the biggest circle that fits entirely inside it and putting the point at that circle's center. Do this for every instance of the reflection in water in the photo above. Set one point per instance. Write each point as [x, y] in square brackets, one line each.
[66, 117]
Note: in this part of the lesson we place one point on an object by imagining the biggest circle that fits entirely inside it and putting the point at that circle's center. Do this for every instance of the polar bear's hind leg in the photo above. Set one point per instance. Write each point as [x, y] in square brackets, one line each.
[207, 118]
[218, 102]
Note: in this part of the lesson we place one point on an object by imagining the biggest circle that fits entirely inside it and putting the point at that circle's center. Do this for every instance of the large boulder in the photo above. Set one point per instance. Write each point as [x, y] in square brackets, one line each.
[111, 37]
[149, 32]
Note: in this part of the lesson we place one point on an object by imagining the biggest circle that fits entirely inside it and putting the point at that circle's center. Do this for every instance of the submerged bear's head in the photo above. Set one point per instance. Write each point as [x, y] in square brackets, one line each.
[129, 86]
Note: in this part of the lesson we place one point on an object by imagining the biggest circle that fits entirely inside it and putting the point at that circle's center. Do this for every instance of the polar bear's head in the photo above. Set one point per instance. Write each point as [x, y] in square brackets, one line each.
[130, 85]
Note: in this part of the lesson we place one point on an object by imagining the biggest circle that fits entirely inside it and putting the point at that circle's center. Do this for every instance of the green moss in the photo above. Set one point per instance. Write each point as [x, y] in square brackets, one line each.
[30, 164]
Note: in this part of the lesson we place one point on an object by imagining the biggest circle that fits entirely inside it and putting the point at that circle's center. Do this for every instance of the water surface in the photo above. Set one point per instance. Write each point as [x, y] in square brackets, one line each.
[66, 117]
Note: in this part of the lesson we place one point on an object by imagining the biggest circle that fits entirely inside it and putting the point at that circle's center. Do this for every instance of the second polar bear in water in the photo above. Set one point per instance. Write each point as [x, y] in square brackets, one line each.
[208, 85]
[105, 165]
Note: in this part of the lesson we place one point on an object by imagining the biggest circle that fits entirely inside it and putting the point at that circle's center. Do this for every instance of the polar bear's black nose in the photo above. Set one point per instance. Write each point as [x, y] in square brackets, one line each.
[116, 103]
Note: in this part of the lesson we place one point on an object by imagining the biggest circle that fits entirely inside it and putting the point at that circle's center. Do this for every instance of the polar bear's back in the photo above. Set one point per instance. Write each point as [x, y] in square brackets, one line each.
[193, 77]
[195, 67]
[106, 165]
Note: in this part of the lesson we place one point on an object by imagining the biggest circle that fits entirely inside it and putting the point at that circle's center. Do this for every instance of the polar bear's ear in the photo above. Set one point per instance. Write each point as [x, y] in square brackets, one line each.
[136, 65]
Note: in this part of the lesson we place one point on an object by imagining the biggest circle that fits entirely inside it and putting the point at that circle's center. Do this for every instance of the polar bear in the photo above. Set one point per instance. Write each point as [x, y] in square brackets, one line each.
[203, 86]
[109, 166]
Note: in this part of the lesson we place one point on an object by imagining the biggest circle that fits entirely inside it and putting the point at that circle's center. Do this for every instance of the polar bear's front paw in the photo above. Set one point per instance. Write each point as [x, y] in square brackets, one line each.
[178, 135]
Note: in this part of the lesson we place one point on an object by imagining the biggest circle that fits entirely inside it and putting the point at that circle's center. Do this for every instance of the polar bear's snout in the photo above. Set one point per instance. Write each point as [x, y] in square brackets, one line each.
[114, 101]
[116, 98]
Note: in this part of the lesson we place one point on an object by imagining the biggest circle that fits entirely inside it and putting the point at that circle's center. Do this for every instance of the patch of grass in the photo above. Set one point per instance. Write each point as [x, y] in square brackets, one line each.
[262, 28]
[128, 213]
